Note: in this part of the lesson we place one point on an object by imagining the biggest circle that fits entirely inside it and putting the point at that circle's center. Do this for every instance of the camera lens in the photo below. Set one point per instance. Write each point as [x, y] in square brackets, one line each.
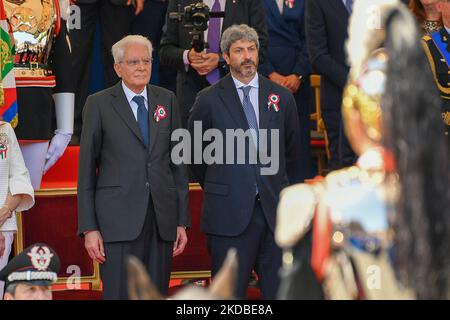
[199, 20]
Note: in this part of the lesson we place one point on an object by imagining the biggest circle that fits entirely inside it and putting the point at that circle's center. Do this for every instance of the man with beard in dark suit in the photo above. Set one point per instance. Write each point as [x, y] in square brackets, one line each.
[241, 194]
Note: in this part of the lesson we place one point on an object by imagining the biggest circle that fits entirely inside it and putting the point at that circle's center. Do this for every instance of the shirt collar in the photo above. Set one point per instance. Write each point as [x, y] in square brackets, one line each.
[130, 94]
[254, 83]
[448, 29]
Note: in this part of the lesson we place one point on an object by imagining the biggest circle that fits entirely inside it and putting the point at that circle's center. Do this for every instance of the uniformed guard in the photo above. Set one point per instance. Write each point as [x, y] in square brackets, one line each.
[437, 47]
[30, 274]
[43, 71]
[373, 228]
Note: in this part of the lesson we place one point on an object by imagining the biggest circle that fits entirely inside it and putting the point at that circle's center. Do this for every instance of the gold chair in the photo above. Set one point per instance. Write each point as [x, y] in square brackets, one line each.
[319, 139]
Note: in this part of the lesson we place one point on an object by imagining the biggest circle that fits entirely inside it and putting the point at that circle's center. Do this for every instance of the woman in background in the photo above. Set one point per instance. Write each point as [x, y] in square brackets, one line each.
[287, 64]
[16, 192]
[427, 14]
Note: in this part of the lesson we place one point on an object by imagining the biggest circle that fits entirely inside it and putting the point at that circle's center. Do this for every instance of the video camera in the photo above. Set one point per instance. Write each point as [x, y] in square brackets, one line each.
[195, 18]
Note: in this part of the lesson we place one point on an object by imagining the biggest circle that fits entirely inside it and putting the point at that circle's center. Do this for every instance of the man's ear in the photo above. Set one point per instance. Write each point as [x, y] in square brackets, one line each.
[8, 296]
[226, 57]
[118, 69]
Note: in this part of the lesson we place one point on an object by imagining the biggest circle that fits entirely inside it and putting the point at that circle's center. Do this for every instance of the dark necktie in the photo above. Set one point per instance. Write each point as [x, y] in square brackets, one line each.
[349, 6]
[214, 41]
[250, 114]
[251, 118]
[142, 118]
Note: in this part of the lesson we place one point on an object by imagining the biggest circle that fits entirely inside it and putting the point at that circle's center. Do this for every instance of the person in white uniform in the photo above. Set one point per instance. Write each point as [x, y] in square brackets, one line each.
[16, 192]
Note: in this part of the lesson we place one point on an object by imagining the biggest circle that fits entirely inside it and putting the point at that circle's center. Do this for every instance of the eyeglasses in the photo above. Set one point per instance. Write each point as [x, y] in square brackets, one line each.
[135, 62]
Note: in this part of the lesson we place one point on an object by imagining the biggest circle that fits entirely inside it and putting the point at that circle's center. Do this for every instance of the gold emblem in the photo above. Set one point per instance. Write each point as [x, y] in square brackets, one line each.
[446, 117]
[5, 54]
[23, 19]
[33, 25]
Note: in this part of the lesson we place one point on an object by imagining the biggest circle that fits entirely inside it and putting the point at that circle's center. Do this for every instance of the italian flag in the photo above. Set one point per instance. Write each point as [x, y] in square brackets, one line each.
[8, 96]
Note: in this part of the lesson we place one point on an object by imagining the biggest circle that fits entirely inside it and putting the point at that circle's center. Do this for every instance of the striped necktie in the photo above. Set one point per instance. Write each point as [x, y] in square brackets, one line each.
[250, 114]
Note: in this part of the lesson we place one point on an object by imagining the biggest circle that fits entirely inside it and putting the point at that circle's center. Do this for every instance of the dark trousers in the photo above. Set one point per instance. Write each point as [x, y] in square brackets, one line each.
[341, 153]
[256, 249]
[154, 253]
[115, 22]
[303, 101]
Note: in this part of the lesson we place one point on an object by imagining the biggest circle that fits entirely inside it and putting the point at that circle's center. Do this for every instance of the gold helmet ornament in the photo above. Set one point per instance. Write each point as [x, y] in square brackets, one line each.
[368, 60]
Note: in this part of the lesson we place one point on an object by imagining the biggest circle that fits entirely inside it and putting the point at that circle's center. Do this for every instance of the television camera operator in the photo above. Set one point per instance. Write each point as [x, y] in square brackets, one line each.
[189, 24]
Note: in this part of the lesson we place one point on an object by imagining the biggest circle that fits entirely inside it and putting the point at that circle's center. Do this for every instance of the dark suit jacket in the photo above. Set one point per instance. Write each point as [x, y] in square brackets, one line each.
[287, 52]
[117, 173]
[176, 39]
[229, 189]
[326, 33]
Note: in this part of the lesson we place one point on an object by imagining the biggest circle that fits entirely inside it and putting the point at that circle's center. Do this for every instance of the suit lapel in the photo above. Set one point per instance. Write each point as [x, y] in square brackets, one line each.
[230, 98]
[264, 92]
[230, 9]
[122, 107]
[152, 96]
[272, 5]
[340, 7]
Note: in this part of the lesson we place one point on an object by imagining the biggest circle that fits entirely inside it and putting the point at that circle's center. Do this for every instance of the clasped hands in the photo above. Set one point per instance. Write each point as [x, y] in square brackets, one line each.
[203, 62]
[292, 81]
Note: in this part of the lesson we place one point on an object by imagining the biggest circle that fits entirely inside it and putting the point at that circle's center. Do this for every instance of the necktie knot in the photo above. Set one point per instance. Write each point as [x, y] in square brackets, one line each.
[246, 90]
[139, 100]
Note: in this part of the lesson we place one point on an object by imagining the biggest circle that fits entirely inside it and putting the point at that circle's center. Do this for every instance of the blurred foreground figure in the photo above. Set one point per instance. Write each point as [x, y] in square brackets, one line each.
[140, 286]
[379, 229]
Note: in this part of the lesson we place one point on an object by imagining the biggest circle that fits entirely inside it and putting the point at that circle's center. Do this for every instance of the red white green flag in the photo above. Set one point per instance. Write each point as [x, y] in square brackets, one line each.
[8, 96]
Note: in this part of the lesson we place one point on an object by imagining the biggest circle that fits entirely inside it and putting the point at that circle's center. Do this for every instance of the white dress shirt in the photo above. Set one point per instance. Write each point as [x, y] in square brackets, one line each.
[280, 4]
[130, 95]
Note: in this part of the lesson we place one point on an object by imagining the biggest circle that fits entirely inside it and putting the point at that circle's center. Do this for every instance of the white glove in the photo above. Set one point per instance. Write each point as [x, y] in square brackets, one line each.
[57, 147]
[64, 108]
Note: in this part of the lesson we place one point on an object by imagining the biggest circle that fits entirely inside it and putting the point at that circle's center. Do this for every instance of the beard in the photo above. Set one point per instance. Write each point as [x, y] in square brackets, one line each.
[245, 69]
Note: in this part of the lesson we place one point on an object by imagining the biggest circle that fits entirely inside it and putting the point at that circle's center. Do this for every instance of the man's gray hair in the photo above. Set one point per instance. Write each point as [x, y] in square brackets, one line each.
[118, 49]
[236, 33]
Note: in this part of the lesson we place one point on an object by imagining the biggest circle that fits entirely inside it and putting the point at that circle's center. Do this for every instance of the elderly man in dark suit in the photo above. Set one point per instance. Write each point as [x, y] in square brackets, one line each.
[240, 196]
[115, 17]
[198, 70]
[326, 33]
[132, 199]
